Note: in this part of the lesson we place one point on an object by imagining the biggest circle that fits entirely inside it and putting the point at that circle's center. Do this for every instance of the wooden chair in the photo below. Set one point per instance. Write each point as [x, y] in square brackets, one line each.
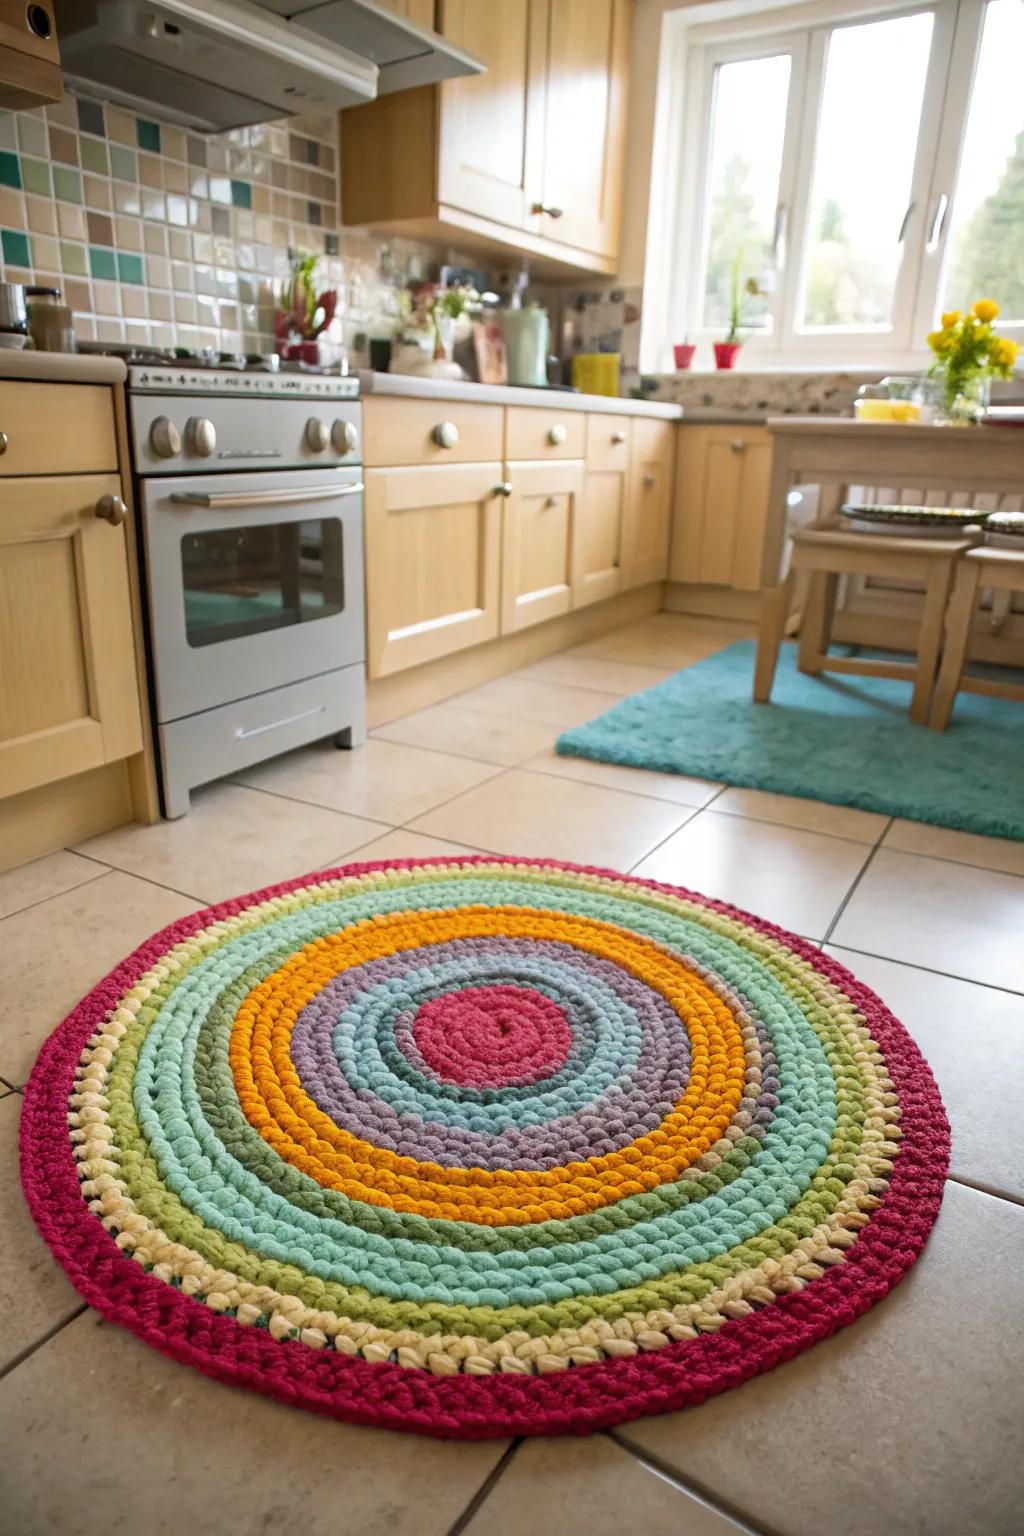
[1002, 570]
[828, 553]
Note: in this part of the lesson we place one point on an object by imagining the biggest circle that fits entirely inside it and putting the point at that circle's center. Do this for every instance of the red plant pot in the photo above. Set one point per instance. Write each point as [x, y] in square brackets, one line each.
[683, 352]
[726, 353]
[300, 352]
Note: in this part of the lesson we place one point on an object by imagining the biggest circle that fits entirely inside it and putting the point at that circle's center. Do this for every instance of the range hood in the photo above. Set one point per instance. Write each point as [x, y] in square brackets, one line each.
[218, 64]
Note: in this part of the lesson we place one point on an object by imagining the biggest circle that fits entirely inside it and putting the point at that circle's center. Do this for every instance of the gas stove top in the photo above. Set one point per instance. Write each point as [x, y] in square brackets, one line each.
[180, 371]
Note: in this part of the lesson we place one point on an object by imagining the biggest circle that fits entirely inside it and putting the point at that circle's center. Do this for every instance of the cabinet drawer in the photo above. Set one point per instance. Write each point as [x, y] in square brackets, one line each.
[544, 433]
[57, 429]
[416, 431]
[608, 440]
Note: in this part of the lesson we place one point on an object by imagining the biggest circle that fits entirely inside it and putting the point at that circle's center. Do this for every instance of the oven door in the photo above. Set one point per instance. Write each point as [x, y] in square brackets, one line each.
[254, 580]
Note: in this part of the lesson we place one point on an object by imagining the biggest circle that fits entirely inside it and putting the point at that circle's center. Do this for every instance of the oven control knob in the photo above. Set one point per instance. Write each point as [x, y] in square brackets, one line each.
[202, 435]
[164, 438]
[345, 436]
[317, 434]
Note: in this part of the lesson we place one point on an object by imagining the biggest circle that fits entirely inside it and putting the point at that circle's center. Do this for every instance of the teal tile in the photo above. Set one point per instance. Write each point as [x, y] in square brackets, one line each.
[36, 176]
[10, 171]
[102, 263]
[72, 259]
[129, 267]
[67, 185]
[124, 163]
[94, 155]
[241, 194]
[15, 248]
[148, 135]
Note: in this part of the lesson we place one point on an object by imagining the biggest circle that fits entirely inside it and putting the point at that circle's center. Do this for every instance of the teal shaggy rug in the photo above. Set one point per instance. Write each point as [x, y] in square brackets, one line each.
[847, 740]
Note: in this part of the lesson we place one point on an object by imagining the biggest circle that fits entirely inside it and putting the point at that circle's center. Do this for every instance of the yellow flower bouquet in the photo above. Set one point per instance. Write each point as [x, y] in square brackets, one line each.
[968, 353]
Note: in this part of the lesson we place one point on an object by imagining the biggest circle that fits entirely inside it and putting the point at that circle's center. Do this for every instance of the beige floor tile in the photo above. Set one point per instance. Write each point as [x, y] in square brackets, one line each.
[910, 1421]
[233, 840]
[383, 780]
[811, 815]
[590, 1488]
[662, 786]
[947, 917]
[34, 1294]
[665, 640]
[794, 878]
[971, 1037]
[470, 733]
[607, 676]
[999, 853]
[53, 953]
[43, 878]
[527, 698]
[404, 844]
[542, 817]
[103, 1436]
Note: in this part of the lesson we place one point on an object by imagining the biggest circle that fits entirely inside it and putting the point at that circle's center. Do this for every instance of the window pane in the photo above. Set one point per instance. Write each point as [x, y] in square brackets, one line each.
[986, 249]
[748, 126]
[867, 142]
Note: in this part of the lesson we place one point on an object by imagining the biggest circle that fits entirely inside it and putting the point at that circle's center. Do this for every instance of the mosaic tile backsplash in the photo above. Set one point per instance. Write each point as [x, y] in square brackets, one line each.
[158, 235]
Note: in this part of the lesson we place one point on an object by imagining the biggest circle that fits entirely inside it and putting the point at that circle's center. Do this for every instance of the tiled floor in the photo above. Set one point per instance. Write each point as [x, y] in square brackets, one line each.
[909, 1424]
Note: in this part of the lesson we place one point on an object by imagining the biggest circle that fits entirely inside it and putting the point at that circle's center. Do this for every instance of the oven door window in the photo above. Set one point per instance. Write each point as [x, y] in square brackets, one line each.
[243, 581]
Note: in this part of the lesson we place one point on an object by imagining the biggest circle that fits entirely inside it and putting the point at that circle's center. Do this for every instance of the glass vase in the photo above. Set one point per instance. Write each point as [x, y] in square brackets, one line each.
[965, 399]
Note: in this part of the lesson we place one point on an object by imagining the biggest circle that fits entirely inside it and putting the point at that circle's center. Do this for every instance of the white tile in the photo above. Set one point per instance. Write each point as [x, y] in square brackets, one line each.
[811, 815]
[972, 1039]
[908, 1421]
[28, 883]
[471, 733]
[999, 853]
[405, 844]
[542, 817]
[640, 781]
[947, 917]
[385, 781]
[532, 699]
[233, 841]
[794, 878]
[600, 672]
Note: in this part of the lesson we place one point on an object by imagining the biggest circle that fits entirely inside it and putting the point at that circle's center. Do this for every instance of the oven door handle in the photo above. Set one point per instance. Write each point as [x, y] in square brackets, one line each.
[228, 500]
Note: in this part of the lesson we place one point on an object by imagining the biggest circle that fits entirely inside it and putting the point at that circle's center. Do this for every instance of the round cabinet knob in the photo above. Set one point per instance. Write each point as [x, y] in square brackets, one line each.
[164, 438]
[445, 434]
[345, 436]
[202, 435]
[738, 445]
[549, 209]
[618, 437]
[112, 510]
[504, 488]
[557, 435]
[317, 434]
[649, 480]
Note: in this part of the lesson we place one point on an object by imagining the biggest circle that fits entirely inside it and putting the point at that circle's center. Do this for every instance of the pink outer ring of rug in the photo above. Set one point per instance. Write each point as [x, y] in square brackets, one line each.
[492, 1037]
[586, 1398]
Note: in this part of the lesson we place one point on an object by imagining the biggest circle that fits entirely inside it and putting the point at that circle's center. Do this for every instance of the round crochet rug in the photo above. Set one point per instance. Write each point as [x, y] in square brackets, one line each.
[479, 1147]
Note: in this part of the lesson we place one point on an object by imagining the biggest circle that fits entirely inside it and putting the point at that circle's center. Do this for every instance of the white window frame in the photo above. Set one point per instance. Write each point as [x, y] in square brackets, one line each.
[675, 284]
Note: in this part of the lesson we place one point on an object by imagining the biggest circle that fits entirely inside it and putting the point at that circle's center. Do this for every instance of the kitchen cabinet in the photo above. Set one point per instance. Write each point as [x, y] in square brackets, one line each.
[597, 538]
[645, 534]
[433, 551]
[526, 158]
[538, 518]
[721, 504]
[419, 11]
[29, 56]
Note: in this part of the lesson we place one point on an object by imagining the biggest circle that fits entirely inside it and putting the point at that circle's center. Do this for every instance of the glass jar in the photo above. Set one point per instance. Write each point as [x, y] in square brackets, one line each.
[50, 321]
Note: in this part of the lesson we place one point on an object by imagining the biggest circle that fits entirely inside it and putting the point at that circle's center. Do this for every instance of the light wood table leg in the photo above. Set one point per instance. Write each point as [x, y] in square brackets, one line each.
[958, 628]
[774, 610]
[929, 640]
[816, 625]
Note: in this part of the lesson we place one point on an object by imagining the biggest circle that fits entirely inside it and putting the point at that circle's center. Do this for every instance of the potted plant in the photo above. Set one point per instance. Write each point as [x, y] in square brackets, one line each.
[683, 352]
[968, 355]
[303, 315]
[727, 351]
[432, 314]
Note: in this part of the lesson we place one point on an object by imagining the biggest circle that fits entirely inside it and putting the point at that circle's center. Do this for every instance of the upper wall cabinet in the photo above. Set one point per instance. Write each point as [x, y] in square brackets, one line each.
[29, 58]
[526, 158]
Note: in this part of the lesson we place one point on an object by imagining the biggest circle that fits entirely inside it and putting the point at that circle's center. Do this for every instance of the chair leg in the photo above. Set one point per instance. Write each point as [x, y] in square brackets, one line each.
[774, 612]
[816, 627]
[929, 639]
[958, 628]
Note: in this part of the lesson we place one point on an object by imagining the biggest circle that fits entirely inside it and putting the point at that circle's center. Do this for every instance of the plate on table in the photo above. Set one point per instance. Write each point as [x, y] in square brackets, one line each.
[1005, 530]
[912, 522]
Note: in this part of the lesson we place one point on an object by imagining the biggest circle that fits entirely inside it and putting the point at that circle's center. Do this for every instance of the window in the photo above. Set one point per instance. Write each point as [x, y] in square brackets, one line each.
[853, 178]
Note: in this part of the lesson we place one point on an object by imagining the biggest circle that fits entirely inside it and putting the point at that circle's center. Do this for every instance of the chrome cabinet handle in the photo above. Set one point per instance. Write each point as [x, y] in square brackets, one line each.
[557, 435]
[549, 502]
[445, 434]
[618, 437]
[938, 221]
[738, 445]
[4, 440]
[552, 212]
[226, 500]
[112, 510]
[503, 488]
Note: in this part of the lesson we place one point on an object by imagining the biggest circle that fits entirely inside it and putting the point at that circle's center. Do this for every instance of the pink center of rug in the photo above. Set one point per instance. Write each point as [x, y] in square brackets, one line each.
[492, 1037]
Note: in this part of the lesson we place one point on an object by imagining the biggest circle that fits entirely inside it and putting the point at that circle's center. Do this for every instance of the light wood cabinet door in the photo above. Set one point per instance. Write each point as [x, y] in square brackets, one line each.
[419, 11]
[721, 505]
[433, 550]
[490, 161]
[536, 543]
[68, 685]
[584, 136]
[645, 535]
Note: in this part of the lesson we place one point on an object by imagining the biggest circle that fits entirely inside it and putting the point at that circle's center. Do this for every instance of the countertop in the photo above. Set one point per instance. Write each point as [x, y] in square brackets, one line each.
[412, 387]
[61, 367]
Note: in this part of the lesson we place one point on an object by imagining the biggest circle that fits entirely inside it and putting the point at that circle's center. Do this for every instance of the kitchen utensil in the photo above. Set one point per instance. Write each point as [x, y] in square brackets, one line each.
[13, 314]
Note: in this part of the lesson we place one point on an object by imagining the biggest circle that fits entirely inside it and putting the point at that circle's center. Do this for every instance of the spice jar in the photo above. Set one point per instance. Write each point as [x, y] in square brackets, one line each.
[50, 321]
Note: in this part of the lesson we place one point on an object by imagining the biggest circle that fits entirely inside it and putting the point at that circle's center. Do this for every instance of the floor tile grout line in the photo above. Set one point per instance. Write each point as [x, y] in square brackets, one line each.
[856, 882]
[788, 826]
[939, 858]
[725, 1507]
[698, 811]
[103, 869]
[44, 1338]
[486, 1488]
[616, 789]
[912, 965]
[115, 869]
[981, 1188]
[467, 757]
[313, 805]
